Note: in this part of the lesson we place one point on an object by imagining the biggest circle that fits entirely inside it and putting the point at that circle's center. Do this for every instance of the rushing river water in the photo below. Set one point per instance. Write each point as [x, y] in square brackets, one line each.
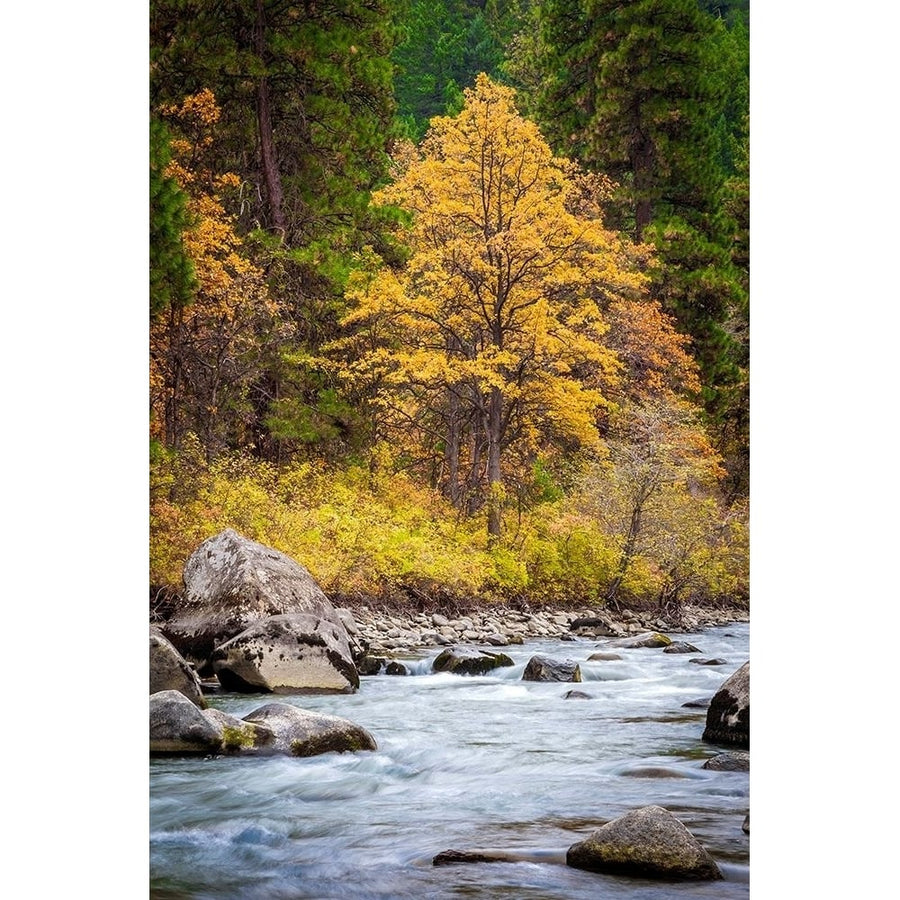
[488, 762]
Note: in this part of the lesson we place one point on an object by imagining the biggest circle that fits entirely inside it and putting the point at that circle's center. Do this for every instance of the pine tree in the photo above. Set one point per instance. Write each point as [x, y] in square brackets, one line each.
[172, 280]
[653, 93]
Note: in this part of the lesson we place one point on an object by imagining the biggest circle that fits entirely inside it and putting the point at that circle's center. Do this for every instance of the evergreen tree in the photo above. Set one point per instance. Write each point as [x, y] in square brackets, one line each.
[446, 44]
[171, 273]
[306, 95]
[654, 93]
[307, 99]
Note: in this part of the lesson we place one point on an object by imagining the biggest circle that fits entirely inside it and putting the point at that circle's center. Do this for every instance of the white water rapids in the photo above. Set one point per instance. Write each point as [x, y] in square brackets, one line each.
[466, 763]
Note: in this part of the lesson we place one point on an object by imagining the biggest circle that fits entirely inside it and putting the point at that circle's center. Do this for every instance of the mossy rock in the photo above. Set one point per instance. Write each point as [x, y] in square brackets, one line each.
[646, 843]
[302, 732]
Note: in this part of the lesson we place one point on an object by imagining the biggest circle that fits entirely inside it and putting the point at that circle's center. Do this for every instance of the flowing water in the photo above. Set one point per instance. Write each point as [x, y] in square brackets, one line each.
[466, 763]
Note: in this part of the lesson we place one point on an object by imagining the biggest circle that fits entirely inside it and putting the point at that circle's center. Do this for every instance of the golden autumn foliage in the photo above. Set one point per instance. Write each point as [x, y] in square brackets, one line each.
[202, 354]
[517, 343]
[657, 494]
[490, 342]
[372, 531]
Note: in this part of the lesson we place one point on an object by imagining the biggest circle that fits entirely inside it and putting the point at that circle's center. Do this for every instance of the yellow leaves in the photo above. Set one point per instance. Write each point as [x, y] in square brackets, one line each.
[655, 355]
[198, 110]
[231, 301]
[500, 303]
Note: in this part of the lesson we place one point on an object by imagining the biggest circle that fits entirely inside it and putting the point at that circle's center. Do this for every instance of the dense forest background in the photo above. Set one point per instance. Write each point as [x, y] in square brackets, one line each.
[450, 299]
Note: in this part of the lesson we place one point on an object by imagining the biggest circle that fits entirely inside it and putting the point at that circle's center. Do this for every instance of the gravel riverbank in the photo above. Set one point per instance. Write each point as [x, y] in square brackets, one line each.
[395, 633]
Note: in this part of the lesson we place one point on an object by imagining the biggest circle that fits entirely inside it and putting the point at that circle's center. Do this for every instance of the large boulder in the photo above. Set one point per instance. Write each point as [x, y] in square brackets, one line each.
[289, 654]
[463, 661]
[301, 732]
[169, 671]
[230, 583]
[646, 843]
[543, 668]
[728, 716]
[178, 726]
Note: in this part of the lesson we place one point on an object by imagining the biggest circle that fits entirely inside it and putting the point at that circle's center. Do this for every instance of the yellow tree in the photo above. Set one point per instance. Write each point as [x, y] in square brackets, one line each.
[492, 336]
[204, 354]
[659, 457]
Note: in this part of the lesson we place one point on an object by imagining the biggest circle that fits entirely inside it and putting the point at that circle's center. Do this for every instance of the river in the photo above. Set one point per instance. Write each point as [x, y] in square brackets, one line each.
[465, 763]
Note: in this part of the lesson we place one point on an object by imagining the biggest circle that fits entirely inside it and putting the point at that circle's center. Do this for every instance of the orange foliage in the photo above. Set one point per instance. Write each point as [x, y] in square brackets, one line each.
[201, 355]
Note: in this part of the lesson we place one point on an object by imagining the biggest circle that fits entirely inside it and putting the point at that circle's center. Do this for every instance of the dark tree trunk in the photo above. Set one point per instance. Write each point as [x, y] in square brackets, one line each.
[271, 174]
[495, 417]
[642, 164]
[634, 529]
[451, 450]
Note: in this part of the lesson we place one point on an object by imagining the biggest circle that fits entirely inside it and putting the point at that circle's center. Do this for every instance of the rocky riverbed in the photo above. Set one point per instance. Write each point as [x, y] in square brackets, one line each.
[394, 633]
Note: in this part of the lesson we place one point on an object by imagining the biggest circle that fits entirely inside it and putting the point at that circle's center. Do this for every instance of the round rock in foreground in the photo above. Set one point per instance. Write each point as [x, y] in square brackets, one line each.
[648, 842]
[301, 732]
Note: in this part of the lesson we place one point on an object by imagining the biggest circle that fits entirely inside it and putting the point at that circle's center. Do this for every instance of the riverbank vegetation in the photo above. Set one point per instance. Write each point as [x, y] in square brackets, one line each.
[502, 353]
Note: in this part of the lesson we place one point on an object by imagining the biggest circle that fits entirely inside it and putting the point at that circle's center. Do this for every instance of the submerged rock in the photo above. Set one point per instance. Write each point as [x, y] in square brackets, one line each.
[395, 668]
[169, 671]
[709, 662]
[746, 825]
[449, 857]
[286, 655]
[301, 732]
[462, 661]
[648, 842]
[177, 726]
[577, 695]
[230, 583]
[699, 703]
[733, 761]
[594, 657]
[728, 717]
[681, 647]
[544, 668]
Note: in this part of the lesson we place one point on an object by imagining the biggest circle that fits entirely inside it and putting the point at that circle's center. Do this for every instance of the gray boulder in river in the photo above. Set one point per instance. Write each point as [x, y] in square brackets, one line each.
[647, 639]
[463, 661]
[648, 842]
[300, 732]
[169, 671]
[728, 716]
[178, 726]
[230, 583]
[289, 654]
[544, 668]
